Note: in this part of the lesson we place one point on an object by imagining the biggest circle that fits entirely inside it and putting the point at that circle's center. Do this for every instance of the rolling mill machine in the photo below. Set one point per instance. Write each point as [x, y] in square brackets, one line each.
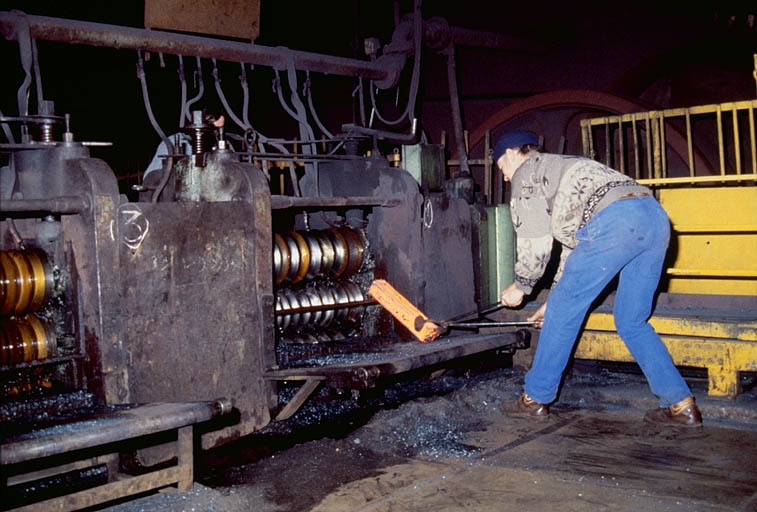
[143, 322]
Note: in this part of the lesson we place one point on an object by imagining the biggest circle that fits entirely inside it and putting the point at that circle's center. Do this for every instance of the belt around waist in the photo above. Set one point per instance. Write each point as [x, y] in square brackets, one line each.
[633, 195]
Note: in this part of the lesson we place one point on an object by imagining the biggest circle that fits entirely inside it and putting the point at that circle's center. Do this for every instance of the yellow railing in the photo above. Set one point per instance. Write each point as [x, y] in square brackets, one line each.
[707, 143]
[702, 163]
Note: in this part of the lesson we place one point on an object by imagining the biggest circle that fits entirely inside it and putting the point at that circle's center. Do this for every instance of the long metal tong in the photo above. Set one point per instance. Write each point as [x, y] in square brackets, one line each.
[459, 323]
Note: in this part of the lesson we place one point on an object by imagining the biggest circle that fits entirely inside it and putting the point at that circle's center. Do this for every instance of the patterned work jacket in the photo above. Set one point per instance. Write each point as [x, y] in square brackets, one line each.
[552, 197]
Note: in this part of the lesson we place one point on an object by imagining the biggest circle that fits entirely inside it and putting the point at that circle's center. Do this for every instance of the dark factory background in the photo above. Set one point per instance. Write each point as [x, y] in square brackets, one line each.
[658, 55]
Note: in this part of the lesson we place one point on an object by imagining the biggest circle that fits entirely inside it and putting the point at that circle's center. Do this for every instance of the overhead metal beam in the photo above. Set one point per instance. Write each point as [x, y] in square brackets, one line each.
[130, 38]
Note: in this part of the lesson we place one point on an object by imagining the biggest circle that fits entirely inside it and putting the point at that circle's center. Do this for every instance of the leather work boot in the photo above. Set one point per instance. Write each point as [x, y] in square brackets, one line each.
[685, 413]
[524, 405]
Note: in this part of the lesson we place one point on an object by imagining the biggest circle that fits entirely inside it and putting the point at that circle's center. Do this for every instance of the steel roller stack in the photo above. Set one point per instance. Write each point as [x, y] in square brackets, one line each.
[318, 298]
[27, 334]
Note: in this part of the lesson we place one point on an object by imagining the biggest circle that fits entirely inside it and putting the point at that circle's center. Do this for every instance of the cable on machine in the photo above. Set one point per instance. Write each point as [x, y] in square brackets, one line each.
[168, 164]
[308, 93]
[409, 112]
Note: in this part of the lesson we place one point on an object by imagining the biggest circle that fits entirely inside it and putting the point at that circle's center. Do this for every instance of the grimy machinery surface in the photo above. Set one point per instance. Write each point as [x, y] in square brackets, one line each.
[126, 323]
[244, 266]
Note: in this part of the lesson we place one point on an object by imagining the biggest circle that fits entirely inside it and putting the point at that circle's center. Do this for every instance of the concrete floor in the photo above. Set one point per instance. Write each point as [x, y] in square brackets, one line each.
[451, 449]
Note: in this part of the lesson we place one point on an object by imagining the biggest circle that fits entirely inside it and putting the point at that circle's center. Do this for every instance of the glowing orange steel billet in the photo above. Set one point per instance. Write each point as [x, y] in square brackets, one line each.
[404, 312]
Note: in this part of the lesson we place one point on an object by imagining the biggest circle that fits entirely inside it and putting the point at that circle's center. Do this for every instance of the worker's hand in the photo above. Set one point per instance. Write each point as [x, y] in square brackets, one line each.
[219, 121]
[538, 316]
[512, 296]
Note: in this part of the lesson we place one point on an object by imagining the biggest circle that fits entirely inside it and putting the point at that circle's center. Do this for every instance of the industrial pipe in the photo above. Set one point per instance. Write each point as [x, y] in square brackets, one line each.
[457, 118]
[115, 427]
[397, 138]
[283, 202]
[62, 204]
[494, 40]
[113, 36]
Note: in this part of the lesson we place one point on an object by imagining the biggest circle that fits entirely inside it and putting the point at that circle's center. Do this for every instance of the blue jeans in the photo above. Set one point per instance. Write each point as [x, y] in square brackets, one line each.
[630, 237]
